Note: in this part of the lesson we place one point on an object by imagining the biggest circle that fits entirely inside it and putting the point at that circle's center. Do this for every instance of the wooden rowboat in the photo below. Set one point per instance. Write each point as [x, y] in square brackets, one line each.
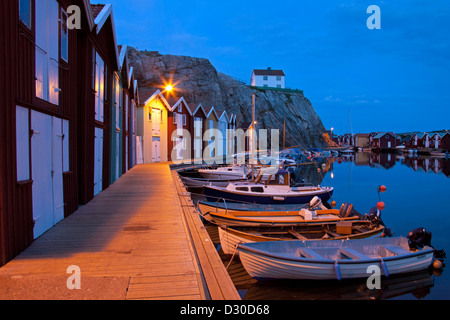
[231, 237]
[315, 213]
[326, 260]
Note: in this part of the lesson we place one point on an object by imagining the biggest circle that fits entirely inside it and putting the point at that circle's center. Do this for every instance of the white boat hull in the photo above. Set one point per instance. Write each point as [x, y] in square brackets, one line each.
[266, 266]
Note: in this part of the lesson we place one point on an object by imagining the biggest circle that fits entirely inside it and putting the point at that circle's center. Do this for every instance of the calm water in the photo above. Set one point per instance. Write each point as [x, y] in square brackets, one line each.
[417, 196]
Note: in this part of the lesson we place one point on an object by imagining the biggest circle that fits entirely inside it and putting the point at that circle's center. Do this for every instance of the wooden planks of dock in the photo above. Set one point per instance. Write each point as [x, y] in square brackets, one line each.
[138, 239]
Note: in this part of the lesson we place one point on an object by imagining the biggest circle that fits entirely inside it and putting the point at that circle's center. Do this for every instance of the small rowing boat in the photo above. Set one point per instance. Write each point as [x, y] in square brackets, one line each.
[230, 237]
[334, 259]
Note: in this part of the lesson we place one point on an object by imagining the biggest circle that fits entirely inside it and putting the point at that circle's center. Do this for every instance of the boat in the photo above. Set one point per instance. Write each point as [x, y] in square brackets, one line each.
[333, 259]
[225, 173]
[276, 189]
[314, 213]
[223, 206]
[276, 218]
[231, 237]
[193, 182]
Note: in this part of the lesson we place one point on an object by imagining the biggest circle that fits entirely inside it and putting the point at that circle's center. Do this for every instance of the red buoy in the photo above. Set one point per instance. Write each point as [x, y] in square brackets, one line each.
[333, 204]
[382, 188]
[380, 206]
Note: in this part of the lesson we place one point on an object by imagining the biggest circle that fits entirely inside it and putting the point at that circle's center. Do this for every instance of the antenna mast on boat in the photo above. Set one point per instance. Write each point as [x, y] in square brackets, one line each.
[284, 131]
[252, 132]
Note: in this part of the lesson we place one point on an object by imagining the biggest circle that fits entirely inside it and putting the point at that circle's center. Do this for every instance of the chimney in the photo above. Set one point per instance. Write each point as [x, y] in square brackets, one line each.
[269, 69]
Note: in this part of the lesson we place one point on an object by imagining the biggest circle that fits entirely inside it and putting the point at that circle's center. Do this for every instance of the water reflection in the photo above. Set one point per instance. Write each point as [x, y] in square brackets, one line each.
[429, 164]
[438, 165]
[417, 284]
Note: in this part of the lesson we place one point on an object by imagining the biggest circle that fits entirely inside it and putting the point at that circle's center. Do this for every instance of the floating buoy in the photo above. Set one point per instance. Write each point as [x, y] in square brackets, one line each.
[318, 169]
[437, 264]
[382, 188]
[333, 204]
[380, 206]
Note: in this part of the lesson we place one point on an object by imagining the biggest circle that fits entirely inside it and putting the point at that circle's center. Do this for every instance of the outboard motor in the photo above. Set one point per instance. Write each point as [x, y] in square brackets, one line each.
[418, 238]
[316, 203]
[374, 217]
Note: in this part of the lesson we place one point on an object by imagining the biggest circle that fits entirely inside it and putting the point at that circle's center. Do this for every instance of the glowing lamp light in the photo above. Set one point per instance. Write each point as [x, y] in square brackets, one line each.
[380, 206]
[169, 88]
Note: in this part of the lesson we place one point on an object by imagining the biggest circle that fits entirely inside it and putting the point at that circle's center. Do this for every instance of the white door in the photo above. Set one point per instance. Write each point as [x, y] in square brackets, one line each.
[47, 171]
[117, 155]
[156, 149]
[57, 171]
[389, 144]
[98, 161]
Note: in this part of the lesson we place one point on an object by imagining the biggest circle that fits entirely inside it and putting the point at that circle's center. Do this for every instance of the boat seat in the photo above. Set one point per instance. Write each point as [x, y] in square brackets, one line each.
[397, 250]
[309, 253]
[353, 254]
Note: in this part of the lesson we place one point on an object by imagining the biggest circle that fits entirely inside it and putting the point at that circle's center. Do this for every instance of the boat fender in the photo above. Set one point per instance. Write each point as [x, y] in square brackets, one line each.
[337, 270]
[384, 267]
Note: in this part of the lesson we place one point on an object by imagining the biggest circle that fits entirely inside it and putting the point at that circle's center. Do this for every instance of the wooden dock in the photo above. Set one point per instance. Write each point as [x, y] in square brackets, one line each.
[139, 239]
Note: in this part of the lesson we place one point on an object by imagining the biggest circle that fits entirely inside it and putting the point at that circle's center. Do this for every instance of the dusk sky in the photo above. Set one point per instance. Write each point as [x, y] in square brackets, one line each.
[358, 80]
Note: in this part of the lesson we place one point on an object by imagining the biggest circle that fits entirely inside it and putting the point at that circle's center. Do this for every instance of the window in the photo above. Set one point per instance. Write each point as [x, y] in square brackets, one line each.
[117, 99]
[184, 119]
[175, 115]
[180, 109]
[99, 86]
[47, 50]
[257, 189]
[64, 37]
[278, 78]
[242, 188]
[265, 78]
[25, 12]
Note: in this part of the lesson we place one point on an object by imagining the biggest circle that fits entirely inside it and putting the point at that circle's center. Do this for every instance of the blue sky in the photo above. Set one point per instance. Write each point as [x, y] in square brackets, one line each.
[360, 80]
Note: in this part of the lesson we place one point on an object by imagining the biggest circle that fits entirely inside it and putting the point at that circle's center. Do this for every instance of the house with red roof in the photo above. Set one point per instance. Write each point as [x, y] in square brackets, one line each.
[268, 78]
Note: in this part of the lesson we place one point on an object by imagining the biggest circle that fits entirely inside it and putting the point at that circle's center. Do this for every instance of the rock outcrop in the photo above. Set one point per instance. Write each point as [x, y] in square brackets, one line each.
[198, 81]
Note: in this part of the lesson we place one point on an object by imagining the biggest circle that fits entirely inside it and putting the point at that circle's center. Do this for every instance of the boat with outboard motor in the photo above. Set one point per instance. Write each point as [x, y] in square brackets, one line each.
[313, 213]
[333, 259]
[268, 189]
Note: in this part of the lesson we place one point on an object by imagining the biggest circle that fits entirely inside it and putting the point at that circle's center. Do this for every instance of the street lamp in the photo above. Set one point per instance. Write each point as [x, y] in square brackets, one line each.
[169, 88]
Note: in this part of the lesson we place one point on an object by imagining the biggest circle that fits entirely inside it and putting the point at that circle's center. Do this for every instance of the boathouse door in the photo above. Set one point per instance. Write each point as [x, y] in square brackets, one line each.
[156, 149]
[98, 161]
[47, 171]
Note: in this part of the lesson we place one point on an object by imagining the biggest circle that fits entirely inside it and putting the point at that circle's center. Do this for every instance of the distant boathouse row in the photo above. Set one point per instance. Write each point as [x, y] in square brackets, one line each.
[389, 140]
[73, 119]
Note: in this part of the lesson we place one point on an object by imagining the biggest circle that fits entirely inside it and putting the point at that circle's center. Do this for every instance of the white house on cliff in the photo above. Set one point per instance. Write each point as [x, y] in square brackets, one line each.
[268, 78]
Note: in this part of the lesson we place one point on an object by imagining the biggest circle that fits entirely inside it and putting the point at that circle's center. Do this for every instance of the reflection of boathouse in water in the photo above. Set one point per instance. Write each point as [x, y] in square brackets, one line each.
[437, 165]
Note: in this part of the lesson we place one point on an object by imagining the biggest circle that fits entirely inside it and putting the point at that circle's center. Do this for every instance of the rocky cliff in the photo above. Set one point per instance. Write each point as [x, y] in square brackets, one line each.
[198, 81]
